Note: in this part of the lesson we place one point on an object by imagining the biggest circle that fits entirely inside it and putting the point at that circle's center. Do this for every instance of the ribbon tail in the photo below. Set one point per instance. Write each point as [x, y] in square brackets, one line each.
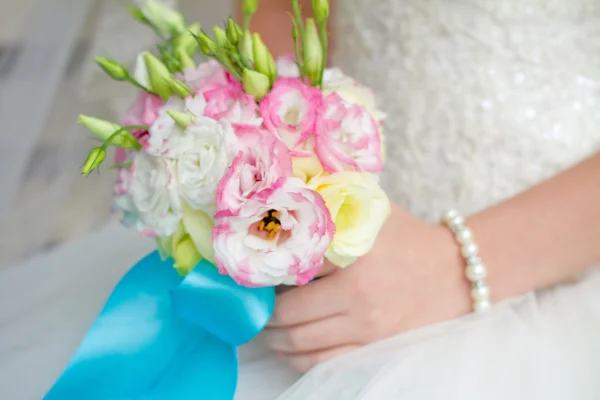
[138, 348]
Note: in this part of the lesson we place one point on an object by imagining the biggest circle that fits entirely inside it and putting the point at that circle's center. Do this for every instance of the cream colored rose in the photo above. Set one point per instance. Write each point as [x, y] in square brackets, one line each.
[358, 207]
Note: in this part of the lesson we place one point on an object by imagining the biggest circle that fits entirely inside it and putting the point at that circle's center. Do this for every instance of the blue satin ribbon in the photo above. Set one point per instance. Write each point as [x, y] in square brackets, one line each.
[160, 336]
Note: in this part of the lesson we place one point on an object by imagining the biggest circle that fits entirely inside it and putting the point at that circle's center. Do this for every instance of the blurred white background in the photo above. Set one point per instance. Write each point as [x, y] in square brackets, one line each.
[46, 78]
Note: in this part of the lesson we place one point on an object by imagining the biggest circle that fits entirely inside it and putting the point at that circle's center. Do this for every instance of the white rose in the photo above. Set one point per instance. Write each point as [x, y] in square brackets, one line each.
[359, 208]
[205, 153]
[351, 91]
[165, 134]
[152, 192]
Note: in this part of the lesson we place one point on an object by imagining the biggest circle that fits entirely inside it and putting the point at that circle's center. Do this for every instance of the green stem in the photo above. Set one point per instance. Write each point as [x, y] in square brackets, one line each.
[297, 49]
[224, 60]
[324, 44]
[247, 19]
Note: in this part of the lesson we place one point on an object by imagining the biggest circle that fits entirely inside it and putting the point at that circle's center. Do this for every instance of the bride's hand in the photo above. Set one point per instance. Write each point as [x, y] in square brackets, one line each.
[412, 277]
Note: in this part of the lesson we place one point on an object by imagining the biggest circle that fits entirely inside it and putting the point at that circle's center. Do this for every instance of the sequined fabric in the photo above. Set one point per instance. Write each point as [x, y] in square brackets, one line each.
[484, 98]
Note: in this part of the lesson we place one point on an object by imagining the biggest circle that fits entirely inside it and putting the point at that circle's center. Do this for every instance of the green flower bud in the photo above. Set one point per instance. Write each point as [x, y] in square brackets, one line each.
[163, 18]
[182, 119]
[95, 158]
[250, 6]
[159, 76]
[320, 10]
[187, 40]
[113, 69]
[185, 59]
[255, 83]
[234, 32]
[137, 14]
[312, 52]
[207, 46]
[220, 37]
[245, 49]
[185, 255]
[263, 60]
[105, 129]
[180, 88]
[99, 127]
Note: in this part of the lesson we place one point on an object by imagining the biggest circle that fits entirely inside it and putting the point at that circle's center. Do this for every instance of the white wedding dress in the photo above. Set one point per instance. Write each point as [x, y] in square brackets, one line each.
[485, 98]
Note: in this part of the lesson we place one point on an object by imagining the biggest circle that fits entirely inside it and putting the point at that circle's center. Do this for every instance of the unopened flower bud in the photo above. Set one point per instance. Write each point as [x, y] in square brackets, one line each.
[95, 158]
[180, 88]
[234, 32]
[185, 255]
[263, 60]
[187, 41]
[207, 45]
[245, 49]
[159, 76]
[312, 52]
[163, 17]
[104, 129]
[255, 83]
[113, 69]
[220, 37]
[320, 10]
[182, 119]
[250, 6]
[185, 59]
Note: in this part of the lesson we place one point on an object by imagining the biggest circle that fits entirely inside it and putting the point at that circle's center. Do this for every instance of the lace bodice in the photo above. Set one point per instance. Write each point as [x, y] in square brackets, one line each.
[484, 98]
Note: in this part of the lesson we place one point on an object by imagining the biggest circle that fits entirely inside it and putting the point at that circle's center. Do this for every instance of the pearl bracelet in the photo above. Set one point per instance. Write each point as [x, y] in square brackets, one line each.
[476, 271]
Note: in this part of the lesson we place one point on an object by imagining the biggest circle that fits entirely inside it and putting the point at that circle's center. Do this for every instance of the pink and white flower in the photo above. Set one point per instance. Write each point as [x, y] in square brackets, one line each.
[145, 111]
[262, 160]
[280, 236]
[206, 76]
[204, 152]
[334, 81]
[286, 67]
[232, 103]
[164, 134]
[289, 110]
[149, 196]
[347, 137]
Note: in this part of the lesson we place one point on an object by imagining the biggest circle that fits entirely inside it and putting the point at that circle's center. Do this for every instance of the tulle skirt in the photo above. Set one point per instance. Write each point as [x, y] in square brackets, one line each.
[544, 345]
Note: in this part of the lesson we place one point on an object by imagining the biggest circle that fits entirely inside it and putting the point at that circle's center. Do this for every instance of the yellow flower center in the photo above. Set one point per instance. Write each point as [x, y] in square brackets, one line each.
[270, 224]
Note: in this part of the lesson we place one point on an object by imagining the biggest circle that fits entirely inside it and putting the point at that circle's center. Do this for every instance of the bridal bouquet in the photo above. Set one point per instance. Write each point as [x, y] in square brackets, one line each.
[263, 168]
[249, 173]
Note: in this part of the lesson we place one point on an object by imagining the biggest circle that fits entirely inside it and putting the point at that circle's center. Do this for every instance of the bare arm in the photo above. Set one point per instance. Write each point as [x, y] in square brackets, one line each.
[544, 235]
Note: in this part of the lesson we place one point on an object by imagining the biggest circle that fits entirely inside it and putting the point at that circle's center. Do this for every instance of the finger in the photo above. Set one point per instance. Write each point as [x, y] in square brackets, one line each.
[323, 334]
[305, 361]
[311, 302]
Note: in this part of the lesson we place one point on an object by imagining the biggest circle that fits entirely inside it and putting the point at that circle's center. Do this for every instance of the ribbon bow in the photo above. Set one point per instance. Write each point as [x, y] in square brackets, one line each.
[161, 336]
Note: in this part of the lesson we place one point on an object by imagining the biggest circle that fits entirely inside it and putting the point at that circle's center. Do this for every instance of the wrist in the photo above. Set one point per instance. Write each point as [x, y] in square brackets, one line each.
[450, 266]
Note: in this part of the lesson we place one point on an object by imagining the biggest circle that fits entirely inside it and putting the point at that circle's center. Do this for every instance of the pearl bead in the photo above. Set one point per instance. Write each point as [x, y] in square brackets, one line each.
[482, 306]
[449, 216]
[464, 236]
[476, 272]
[481, 293]
[469, 250]
[473, 260]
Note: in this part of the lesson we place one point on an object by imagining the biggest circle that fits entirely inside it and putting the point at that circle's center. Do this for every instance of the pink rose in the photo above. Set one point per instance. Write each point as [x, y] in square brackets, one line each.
[289, 110]
[232, 103]
[347, 137]
[261, 161]
[279, 237]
